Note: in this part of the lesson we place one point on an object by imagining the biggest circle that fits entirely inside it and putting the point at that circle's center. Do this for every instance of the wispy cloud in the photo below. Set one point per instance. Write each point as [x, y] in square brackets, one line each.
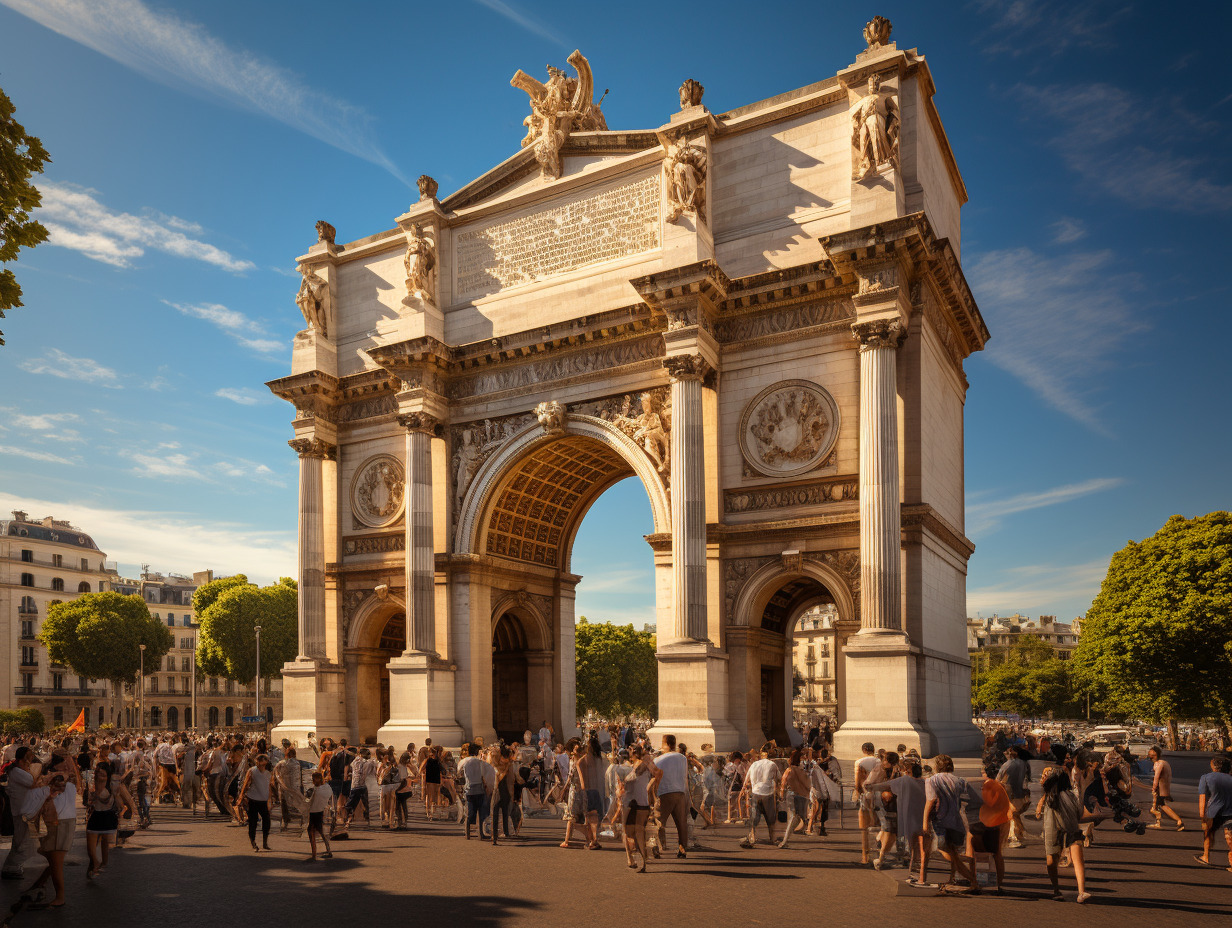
[179, 542]
[76, 219]
[185, 55]
[984, 514]
[1038, 27]
[517, 17]
[1060, 321]
[177, 466]
[1040, 588]
[45, 422]
[58, 364]
[168, 462]
[1127, 145]
[1067, 230]
[46, 457]
[248, 332]
[241, 395]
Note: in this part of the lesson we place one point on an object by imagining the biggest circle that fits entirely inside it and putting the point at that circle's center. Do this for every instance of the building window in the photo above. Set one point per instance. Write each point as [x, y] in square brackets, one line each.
[825, 669]
[27, 579]
[57, 584]
[57, 681]
[27, 556]
[213, 684]
[27, 628]
[186, 686]
[170, 620]
[185, 666]
[85, 564]
[156, 717]
[83, 587]
[81, 684]
[57, 560]
[27, 682]
[153, 684]
[27, 657]
[57, 715]
[27, 606]
[230, 716]
[171, 684]
[187, 621]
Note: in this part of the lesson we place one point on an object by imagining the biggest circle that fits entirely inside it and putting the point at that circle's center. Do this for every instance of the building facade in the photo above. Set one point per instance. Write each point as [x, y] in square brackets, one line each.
[759, 313]
[169, 687]
[815, 665]
[1001, 633]
[43, 561]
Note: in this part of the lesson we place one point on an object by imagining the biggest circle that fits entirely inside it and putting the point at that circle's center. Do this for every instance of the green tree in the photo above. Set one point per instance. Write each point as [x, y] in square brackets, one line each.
[1157, 640]
[1027, 678]
[205, 595]
[22, 721]
[99, 635]
[227, 644]
[616, 669]
[21, 156]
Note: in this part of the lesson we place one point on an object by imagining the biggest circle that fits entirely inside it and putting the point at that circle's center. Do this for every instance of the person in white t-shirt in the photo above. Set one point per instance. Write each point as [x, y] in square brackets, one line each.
[866, 766]
[320, 799]
[673, 792]
[762, 783]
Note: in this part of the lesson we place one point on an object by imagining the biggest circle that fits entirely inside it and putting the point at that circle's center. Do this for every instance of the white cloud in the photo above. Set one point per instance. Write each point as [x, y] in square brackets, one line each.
[1037, 588]
[183, 54]
[177, 541]
[519, 18]
[241, 395]
[1058, 321]
[43, 423]
[167, 461]
[174, 466]
[76, 219]
[1067, 229]
[34, 455]
[247, 332]
[58, 364]
[1048, 27]
[984, 515]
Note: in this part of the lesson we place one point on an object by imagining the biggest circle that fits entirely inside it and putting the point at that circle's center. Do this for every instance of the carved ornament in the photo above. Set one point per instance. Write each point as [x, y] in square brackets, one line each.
[377, 491]
[420, 422]
[557, 108]
[789, 428]
[374, 544]
[691, 94]
[879, 333]
[877, 31]
[427, 187]
[420, 262]
[762, 498]
[475, 443]
[551, 416]
[782, 321]
[687, 367]
[325, 232]
[313, 448]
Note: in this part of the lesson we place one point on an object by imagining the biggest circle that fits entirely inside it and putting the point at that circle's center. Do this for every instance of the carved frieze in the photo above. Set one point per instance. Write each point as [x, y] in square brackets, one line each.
[789, 428]
[554, 370]
[813, 494]
[368, 408]
[780, 321]
[736, 571]
[377, 491]
[386, 543]
[644, 417]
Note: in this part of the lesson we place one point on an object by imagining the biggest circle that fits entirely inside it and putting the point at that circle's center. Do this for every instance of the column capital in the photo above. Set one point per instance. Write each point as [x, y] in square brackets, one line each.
[420, 422]
[313, 448]
[879, 333]
[687, 367]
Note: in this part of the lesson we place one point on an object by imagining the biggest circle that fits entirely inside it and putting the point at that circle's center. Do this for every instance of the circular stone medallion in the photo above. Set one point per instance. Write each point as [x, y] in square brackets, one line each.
[376, 491]
[789, 428]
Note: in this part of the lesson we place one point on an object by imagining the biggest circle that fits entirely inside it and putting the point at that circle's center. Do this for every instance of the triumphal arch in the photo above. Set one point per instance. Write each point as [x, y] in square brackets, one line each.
[759, 314]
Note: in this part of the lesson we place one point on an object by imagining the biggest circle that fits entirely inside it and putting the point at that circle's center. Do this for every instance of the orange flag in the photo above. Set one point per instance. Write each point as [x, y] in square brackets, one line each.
[80, 724]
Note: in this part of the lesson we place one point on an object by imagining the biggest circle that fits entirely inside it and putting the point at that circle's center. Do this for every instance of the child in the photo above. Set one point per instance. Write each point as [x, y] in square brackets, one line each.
[320, 800]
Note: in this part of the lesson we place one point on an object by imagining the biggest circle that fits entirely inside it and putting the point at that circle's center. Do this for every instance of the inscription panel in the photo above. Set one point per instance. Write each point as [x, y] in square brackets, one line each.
[615, 223]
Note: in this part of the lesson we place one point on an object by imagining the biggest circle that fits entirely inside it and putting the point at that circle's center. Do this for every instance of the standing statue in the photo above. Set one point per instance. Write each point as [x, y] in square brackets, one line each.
[466, 462]
[313, 301]
[874, 131]
[562, 105]
[685, 166]
[419, 260]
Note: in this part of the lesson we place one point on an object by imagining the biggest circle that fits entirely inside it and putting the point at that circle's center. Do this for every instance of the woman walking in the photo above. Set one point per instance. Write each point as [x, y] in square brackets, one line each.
[258, 785]
[431, 773]
[634, 797]
[320, 799]
[1064, 816]
[103, 819]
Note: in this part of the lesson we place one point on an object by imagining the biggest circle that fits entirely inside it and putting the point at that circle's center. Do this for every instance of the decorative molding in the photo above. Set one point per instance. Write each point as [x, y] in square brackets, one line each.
[551, 416]
[369, 408]
[352, 602]
[385, 543]
[420, 422]
[789, 428]
[377, 497]
[879, 333]
[313, 448]
[783, 321]
[780, 497]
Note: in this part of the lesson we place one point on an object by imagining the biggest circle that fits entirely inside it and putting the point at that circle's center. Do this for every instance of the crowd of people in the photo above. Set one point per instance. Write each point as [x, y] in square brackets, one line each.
[608, 784]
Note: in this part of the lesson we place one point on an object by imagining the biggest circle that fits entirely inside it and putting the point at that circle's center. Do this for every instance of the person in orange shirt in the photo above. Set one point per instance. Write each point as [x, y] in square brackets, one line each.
[994, 817]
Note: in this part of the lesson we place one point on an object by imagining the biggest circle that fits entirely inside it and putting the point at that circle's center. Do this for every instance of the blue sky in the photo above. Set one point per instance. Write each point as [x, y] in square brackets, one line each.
[195, 144]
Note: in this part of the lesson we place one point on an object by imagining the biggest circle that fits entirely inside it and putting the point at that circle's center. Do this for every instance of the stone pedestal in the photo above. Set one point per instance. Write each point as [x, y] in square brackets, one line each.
[693, 696]
[421, 699]
[881, 697]
[313, 700]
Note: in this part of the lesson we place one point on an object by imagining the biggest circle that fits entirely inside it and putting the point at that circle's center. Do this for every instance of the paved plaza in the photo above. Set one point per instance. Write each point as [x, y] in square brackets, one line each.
[186, 871]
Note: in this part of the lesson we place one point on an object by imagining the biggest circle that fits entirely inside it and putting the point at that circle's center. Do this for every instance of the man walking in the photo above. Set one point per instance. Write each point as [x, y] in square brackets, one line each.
[761, 783]
[672, 790]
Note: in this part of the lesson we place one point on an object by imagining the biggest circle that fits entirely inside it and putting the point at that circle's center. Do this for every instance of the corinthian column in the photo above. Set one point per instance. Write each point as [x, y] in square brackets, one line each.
[880, 510]
[420, 553]
[688, 497]
[312, 453]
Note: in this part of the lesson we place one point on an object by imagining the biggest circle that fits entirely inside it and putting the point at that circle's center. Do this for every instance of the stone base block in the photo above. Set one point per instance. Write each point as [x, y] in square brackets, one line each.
[421, 702]
[693, 696]
[883, 705]
[313, 700]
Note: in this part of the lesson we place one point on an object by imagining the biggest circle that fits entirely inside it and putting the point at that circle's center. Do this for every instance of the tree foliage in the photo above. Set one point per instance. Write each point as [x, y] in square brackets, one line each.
[21, 156]
[27, 721]
[1027, 678]
[227, 644]
[617, 673]
[1157, 640]
[99, 636]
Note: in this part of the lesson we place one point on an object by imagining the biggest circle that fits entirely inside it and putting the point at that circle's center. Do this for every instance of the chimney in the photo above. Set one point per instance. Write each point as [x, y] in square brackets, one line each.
[19, 516]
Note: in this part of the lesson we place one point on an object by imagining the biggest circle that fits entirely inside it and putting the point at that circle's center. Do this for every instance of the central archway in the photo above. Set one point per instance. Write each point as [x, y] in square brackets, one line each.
[521, 515]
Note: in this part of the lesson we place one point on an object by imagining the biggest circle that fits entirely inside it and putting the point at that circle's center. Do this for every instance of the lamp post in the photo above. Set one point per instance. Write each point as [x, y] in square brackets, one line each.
[141, 684]
[193, 682]
[258, 681]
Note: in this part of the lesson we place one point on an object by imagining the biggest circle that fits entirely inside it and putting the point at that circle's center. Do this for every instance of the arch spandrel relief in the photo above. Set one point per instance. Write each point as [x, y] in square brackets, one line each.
[789, 429]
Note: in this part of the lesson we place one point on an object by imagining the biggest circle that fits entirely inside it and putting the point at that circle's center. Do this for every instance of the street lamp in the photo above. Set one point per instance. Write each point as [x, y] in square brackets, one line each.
[257, 629]
[141, 683]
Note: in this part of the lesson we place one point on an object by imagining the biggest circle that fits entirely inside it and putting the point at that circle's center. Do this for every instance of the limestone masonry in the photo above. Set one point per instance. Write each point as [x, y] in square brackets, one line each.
[760, 314]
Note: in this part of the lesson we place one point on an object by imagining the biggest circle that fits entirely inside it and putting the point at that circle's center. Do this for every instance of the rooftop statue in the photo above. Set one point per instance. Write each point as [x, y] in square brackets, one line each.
[874, 131]
[562, 105]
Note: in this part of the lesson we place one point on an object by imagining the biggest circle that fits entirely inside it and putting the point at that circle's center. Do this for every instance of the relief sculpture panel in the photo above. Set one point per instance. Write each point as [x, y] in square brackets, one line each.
[377, 491]
[789, 428]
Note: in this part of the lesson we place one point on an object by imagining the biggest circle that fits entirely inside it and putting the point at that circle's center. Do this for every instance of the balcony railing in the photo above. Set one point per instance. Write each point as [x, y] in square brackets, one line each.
[63, 691]
[29, 664]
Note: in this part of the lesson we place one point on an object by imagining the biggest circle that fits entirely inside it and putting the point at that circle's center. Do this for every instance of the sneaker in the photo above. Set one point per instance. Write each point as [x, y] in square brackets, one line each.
[607, 833]
[1082, 898]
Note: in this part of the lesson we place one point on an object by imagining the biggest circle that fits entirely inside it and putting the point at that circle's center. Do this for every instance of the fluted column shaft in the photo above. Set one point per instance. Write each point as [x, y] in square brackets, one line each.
[688, 498]
[420, 553]
[312, 454]
[880, 507]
